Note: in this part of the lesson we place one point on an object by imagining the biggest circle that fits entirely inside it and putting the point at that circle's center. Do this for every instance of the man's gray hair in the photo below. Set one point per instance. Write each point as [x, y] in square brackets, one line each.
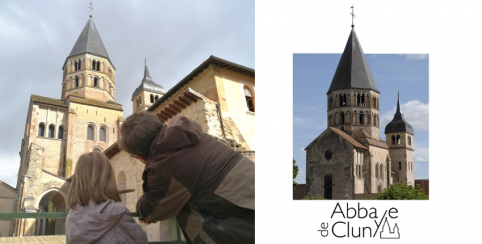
[138, 132]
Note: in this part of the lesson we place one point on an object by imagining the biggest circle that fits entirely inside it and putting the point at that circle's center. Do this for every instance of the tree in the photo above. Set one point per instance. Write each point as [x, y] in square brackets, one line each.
[401, 191]
[295, 173]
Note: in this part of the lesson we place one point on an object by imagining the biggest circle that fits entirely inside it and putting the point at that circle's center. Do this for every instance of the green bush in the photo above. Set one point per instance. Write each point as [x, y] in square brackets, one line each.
[401, 191]
[316, 197]
[295, 173]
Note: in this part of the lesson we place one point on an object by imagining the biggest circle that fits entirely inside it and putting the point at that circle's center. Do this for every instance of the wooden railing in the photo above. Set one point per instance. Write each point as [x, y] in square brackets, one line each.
[176, 231]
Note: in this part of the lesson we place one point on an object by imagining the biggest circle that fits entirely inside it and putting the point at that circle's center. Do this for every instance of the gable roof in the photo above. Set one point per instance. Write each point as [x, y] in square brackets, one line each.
[211, 60]
[7, 186]
[48, 100]
[353, 70]
[344, 135]
[348, 138]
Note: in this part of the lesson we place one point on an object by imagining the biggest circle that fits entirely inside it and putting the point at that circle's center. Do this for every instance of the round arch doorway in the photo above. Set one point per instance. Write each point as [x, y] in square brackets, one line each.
[51, 202]
[328, 187]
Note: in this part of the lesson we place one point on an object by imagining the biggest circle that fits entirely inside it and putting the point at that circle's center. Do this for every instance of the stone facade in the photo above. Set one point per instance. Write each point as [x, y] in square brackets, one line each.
[58, 132]
[7, 204]
[349, 160]
[98, 84]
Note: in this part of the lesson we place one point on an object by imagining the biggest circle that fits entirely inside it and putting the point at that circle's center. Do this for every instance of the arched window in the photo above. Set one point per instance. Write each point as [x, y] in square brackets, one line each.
[61, 133]
[80, 65]
[96, 82]
[93, 65]
[41, 130]
[152, 98]
[102, 134]
[409, 140]
[75, 66]
[399, 165]
[398, 139]
[376, 171]
[328, 187]
[51, 131]
[393, 140]
[156, 98]
[76, 81]
[90, 133]
[98, 66]
[361, 117]
[382, 169]
[342, 117]
[249, 98]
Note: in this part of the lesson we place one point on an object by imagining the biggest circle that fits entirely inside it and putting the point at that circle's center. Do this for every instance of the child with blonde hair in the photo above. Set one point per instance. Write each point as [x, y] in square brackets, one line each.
[96, 213]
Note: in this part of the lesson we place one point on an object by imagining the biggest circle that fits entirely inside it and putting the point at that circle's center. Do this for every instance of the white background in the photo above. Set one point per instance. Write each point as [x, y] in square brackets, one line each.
[450, 32]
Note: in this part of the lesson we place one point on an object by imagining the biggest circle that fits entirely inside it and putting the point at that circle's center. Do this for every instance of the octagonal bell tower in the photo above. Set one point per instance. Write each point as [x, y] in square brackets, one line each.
[353, 95]
[88, 71]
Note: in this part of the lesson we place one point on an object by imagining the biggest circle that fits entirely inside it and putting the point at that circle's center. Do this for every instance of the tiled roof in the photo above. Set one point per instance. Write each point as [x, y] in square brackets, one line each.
[95, 103]
[113, 150]
[348, 138]
[48, 100]
[211, 60]
[424, 184]
[353, 70]
[377, 143]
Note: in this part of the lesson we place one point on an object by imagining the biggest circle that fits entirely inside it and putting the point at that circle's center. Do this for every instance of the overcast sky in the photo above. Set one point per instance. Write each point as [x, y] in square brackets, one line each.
[176, 36]
[313, 74]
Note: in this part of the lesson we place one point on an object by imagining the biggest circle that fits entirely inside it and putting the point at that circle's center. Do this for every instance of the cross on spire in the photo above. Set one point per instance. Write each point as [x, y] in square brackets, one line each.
[352, 15]
[91, 9]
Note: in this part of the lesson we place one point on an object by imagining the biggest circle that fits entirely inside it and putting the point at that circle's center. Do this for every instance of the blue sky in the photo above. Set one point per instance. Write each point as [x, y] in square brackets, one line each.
[407, 73]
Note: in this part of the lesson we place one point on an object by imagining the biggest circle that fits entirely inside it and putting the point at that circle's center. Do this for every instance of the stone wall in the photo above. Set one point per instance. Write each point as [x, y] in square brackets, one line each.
[379, 156]
[364, 196]
[7, 204]
[132, 168]
[339, 167]
[105, 89]
[81, 117]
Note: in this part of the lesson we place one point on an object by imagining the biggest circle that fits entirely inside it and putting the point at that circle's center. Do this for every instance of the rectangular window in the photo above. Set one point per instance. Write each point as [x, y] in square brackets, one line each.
[399, 165]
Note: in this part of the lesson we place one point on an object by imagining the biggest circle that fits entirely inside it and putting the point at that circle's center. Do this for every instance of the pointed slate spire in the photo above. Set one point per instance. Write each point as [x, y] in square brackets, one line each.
[398, 124]
[353, 70]
[148, 84]
[399, 109]
[146, 72]
[89, 41]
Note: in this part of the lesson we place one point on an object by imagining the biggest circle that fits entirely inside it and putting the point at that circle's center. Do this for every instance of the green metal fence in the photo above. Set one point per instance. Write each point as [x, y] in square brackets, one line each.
[176, 231]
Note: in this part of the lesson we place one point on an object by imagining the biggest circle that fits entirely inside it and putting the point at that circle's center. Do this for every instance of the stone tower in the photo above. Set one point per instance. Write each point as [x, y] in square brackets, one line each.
[88, 69]
[147, 93]
[353, 95]
[399, 136]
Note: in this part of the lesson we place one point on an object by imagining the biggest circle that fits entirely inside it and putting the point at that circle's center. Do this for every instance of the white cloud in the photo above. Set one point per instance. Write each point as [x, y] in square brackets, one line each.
[421, 155]
[414, 112]
[309, 122]
[9, 165]
[302, 151]
[415, 56]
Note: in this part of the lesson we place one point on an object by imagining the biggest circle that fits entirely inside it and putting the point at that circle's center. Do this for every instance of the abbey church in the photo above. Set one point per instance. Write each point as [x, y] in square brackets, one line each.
[218, 94]
[350, 160]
